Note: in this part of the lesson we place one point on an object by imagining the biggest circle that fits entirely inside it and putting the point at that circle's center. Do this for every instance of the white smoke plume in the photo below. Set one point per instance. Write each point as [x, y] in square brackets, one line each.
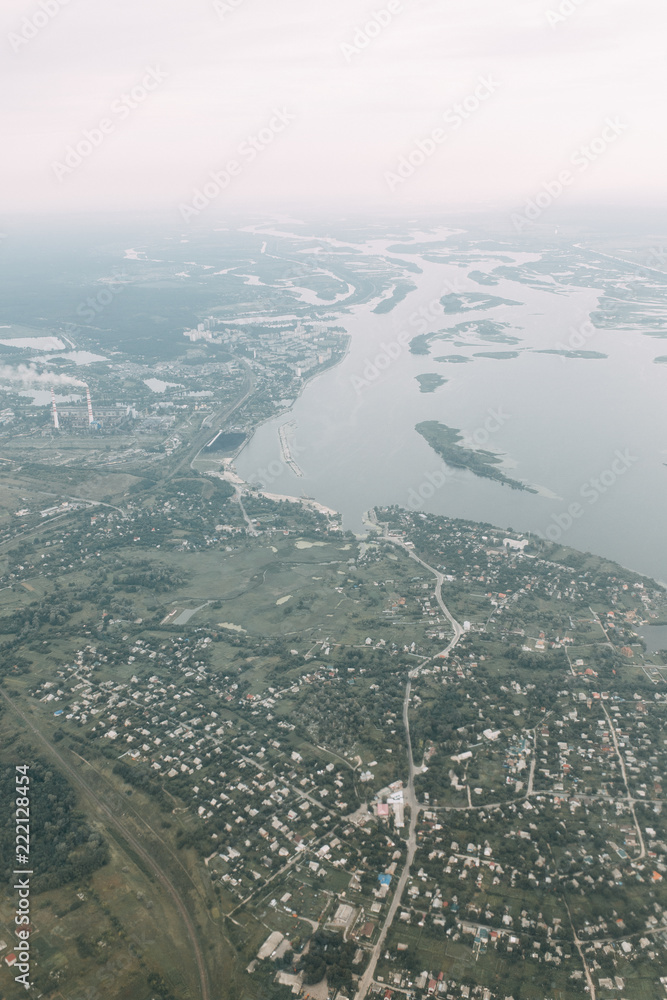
[30, 375]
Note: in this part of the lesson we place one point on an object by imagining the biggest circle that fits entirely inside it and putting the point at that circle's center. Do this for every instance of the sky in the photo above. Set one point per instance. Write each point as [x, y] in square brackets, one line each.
[314, 105]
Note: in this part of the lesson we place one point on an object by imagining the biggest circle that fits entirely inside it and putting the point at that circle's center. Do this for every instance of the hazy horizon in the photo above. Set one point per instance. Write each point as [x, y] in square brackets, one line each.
[132, 108]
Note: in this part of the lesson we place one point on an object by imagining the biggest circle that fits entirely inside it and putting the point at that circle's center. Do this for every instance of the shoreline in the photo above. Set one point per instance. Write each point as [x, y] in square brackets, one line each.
[521, 510]
[289, 409]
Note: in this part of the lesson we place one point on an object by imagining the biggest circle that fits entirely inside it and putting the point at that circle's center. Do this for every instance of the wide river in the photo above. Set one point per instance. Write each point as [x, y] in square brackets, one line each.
[582, 431]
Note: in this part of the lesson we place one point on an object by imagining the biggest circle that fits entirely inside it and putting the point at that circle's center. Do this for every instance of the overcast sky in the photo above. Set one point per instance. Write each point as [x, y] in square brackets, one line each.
[355, 111]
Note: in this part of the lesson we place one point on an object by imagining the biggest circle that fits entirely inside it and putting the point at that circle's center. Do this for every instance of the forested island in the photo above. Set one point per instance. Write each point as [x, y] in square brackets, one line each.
[446, 441]
[430, 381]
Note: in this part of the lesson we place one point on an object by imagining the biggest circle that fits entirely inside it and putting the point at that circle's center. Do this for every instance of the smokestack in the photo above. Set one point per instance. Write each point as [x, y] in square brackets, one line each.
[90, 407]
[54, 411]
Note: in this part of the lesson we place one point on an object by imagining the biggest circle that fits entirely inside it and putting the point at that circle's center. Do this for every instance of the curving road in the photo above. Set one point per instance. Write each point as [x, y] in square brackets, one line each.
[409, 794]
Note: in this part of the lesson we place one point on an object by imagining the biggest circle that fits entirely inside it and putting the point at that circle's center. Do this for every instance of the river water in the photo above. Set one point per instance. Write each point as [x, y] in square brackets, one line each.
[584, 432]
[655, 637]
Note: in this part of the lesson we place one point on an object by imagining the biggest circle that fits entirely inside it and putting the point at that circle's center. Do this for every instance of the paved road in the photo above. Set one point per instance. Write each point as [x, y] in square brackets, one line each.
[409, 794]
[578, 945]
[612, 730]
[440, 579]
[410, 800]
[238, 497]
[410, 797]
